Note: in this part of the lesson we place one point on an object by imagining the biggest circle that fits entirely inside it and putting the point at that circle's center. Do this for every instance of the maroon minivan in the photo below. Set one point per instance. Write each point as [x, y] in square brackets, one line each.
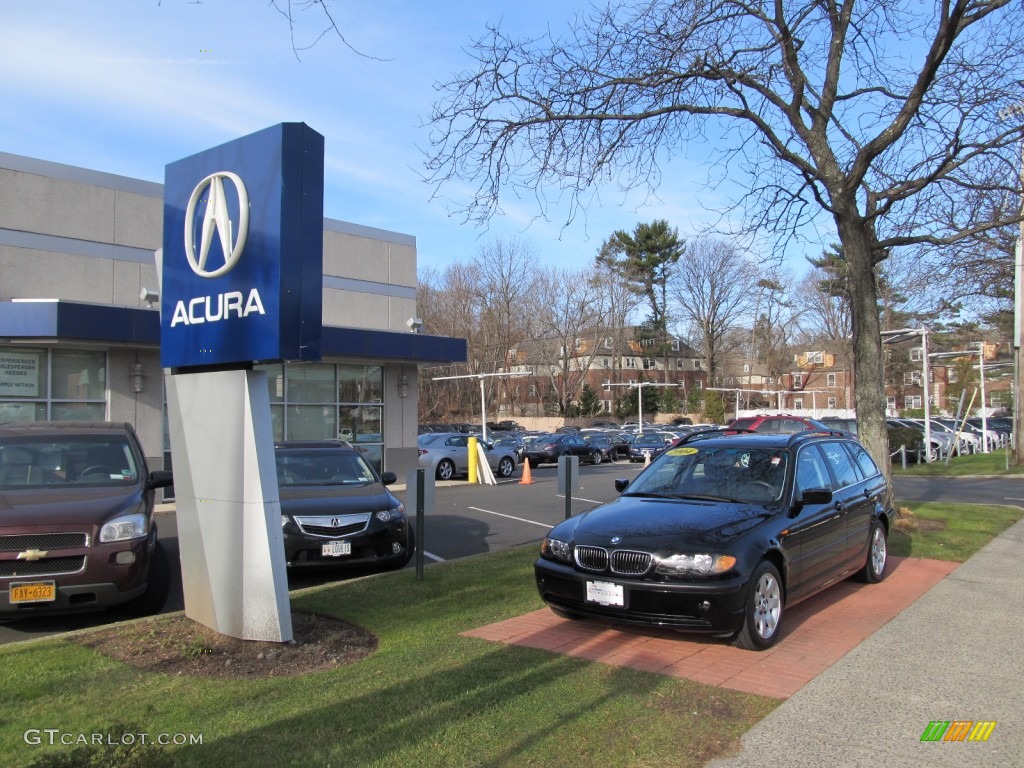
[76, 521]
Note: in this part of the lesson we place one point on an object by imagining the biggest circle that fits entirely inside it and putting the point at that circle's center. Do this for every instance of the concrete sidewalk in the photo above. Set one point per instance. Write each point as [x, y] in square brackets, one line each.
[957, 653]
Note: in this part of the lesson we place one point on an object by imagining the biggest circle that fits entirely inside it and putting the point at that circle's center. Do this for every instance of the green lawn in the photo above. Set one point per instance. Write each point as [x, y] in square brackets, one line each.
[995, 463]
[428, 696]
[950, 531]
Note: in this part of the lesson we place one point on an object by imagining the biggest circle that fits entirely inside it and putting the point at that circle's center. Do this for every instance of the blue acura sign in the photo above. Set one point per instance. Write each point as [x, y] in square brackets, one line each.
[243, 252]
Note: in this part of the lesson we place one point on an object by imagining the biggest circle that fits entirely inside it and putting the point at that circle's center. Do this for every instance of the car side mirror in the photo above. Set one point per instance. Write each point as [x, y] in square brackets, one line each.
[160, 478]
[388, 478]
[811, 496]
[621, 483]
[816, 496]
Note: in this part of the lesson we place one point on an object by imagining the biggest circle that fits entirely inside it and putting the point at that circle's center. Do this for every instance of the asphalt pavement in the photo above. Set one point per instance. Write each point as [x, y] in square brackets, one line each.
[949, 666]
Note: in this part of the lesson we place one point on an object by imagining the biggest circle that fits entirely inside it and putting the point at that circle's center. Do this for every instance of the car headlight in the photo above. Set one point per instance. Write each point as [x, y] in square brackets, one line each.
[555, 549]
[701, 563]
[386, 515]
[134, 526]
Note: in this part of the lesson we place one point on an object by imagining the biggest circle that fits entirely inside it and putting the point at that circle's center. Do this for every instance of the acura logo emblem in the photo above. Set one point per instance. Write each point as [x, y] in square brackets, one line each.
[217, 218]
[335, 522]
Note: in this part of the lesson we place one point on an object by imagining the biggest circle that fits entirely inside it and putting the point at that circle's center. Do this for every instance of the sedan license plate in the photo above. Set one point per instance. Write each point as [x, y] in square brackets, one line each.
[336, 548]
[33, 592]
[605, 593]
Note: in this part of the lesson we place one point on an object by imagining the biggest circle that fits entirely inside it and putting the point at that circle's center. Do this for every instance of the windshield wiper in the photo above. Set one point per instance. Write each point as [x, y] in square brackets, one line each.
[704, 497]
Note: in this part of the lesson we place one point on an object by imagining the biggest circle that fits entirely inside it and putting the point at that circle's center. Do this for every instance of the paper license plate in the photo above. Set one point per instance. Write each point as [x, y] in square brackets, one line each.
[605, 593]
[336, 548]
[34, 592]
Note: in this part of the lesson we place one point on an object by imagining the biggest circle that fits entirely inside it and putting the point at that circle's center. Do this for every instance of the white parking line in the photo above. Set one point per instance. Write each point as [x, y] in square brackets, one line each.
[580, 498]
[434, 557]
[512, 517]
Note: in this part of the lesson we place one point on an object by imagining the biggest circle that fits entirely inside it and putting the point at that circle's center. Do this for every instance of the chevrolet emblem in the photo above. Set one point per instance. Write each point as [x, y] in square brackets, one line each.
[32, 554]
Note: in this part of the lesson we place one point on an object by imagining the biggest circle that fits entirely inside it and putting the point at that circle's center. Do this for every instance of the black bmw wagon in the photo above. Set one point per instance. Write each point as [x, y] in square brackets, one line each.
[722, 534]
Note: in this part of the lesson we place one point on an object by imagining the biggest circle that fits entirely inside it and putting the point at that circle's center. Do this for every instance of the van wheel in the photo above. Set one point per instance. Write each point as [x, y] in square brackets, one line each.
[152, 600]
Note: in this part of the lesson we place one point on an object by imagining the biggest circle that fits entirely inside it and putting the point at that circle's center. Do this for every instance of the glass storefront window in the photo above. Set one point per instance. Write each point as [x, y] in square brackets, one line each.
[275, 381]
[79, 375]
[310, 383]
[311, 422]
[324, 401]
[52, 385]
[360, 384]
[360, 423]
[77, 412]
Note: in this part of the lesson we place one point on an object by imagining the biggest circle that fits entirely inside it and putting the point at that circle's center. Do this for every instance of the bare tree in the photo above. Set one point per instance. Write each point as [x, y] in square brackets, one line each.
[620, 301]
[506, 282]
[873, 115]
[569, 318]
[447, 302]
[714, 286]
[775, 319]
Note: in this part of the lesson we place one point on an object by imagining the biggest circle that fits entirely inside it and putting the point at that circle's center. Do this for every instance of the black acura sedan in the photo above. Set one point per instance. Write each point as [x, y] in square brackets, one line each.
[722, 534]
[336, 511]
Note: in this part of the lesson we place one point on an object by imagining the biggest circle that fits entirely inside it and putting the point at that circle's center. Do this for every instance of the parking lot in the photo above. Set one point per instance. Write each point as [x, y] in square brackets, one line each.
[475, 519]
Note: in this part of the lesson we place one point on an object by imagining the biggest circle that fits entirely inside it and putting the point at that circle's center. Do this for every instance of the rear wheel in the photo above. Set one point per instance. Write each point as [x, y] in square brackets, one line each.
[506, 467]
[445, 469]
[763, 611]
[596, 457]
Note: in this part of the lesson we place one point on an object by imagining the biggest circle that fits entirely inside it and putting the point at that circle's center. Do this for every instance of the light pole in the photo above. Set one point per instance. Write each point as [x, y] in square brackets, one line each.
[640, 396]
[483, 397]
[1017, 110]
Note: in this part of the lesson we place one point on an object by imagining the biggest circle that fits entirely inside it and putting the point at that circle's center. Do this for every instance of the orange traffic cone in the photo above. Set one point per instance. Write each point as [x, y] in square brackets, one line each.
[527, 478]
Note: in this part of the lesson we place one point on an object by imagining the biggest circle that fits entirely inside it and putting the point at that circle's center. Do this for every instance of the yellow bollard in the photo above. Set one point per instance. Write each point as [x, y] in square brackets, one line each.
[472, 459]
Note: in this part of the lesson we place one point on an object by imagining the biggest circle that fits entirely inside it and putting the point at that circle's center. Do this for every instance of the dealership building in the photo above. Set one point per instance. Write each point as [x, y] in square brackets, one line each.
[80, 326]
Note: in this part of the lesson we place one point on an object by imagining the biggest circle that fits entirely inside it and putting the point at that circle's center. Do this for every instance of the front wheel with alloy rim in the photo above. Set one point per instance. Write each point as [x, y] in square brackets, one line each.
[878, 556]
[506, 467]
[596, 457]
[762, 614]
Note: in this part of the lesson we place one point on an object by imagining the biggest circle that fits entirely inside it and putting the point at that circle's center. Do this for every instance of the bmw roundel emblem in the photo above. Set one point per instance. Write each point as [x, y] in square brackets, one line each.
[616, 539]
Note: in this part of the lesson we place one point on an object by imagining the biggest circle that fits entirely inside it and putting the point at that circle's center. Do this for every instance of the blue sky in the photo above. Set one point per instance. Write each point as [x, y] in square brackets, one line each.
[127, 86]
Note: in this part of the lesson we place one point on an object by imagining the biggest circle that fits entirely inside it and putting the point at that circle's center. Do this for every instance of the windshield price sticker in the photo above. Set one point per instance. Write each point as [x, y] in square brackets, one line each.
[686, 451]
[605, 593]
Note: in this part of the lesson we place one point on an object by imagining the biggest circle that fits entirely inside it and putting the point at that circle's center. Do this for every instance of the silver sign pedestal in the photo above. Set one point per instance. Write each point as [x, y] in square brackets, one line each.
[228, 509]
